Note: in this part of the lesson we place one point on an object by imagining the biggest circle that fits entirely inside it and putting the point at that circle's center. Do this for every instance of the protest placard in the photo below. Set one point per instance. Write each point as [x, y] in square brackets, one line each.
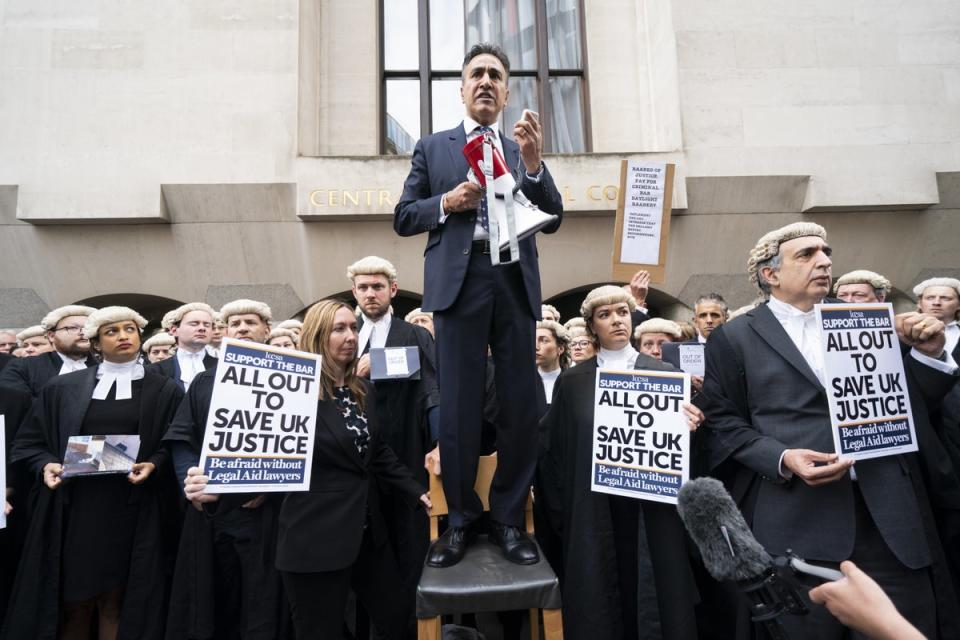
[642, 224]
[263, 416]
[869, 405]
[3, 469]
[641, 441]
[689, 357]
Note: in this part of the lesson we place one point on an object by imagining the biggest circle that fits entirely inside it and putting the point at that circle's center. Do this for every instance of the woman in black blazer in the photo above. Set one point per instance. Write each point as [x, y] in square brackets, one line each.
[333, 537]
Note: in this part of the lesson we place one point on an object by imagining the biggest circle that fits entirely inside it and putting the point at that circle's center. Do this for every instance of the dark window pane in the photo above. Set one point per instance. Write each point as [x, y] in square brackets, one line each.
[448, 107]
[446, 34]
[509, 23]
[566, 115]
[563, 34]
[401, 39]
[402, 127]
[523, 95]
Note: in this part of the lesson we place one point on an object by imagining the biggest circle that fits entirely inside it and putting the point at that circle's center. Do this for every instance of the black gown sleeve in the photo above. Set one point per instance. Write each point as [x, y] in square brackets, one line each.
[35, 445]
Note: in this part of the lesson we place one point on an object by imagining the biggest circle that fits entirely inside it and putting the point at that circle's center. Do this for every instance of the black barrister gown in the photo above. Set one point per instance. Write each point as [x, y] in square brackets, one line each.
[14, 405]
[193, 613]
[401, 408]
[594, 536]
[56, 415]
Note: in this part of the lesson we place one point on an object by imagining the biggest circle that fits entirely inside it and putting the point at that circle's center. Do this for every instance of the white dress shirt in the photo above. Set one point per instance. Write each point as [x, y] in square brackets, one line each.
[549, 379]
[70, 365]
[374, 333]
[191, 365]
[801, 327]
[953, 337]
[622, 359]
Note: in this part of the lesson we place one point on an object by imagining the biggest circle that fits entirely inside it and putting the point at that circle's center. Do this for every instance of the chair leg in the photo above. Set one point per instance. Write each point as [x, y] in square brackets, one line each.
[534, 624]
[552, 624]
[428, 629]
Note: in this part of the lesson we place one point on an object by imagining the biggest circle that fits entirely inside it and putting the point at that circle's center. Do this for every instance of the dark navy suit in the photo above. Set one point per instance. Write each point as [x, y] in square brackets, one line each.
[476, 304]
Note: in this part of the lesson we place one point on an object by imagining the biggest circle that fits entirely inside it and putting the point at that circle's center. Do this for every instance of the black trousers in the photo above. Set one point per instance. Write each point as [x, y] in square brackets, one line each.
[910, 589]
[318, 600]
[491, 309]
[247, 596]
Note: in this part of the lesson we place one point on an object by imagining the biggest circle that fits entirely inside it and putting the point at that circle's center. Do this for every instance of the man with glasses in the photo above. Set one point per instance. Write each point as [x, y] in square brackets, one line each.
[71, 352]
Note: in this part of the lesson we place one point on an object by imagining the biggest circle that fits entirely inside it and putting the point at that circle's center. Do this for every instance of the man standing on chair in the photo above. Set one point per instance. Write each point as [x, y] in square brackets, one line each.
[476, 303]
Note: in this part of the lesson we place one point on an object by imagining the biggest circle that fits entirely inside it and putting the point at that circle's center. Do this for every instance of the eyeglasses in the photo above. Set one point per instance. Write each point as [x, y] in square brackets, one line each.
[580, 344]
[69, 329]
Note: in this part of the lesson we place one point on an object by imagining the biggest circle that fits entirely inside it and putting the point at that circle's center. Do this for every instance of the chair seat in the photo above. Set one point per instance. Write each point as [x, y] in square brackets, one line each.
[486, 581]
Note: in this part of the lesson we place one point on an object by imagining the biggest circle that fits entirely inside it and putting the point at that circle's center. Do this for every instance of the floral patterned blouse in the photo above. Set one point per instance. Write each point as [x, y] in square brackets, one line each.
[355, 419]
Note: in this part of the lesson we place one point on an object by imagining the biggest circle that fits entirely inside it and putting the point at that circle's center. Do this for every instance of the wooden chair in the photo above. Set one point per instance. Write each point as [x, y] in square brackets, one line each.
[484, 580]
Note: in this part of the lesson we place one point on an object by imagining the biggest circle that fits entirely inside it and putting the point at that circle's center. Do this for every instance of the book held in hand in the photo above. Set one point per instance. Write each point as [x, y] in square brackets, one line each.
[99, 455]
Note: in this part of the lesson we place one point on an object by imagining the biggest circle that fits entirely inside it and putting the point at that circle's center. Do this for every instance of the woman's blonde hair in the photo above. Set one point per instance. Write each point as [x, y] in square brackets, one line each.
[315, 338]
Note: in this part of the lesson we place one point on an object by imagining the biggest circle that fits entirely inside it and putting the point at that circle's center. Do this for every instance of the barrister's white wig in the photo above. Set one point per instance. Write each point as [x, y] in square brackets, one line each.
[658, 325]
[292, 324]
[863, 276]
[768, 246]
[574, 322]
[218, 318]
[176, 316]
[279, 332]
[52, 319]
[549, 312]
[578, 331]
[159, 339]
[372, 266]
[244, 306]
[31, 332]
[953, 283]
[607, 294]
[110, 315]
[557, 329]
[167, 321]
[418, 313]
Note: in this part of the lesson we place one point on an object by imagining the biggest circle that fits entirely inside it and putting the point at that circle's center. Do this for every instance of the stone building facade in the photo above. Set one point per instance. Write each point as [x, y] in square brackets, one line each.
[155, 153]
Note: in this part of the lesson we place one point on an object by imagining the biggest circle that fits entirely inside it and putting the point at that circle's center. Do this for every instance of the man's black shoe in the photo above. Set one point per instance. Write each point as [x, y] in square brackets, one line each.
[516, 545]
[450, 548]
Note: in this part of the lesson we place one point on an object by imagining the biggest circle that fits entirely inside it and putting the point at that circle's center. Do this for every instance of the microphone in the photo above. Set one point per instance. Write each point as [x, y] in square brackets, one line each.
[731, 552]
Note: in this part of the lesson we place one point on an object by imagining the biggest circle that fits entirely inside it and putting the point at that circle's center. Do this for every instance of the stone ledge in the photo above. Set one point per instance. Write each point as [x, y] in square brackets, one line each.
[746, 194]
[240, 202]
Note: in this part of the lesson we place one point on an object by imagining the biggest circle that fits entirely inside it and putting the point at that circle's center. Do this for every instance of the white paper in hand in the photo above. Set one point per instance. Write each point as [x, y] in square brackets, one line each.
[396, 361]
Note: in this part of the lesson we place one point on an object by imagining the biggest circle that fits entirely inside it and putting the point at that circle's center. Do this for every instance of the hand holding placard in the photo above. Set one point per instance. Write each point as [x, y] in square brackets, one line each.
[921, 331]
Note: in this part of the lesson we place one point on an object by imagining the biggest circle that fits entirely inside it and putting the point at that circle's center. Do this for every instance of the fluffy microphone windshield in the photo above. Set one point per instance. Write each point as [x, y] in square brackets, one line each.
[729, 550]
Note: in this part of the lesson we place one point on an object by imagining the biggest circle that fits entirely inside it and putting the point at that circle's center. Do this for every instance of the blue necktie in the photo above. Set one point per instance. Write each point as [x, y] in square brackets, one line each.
[484, 214]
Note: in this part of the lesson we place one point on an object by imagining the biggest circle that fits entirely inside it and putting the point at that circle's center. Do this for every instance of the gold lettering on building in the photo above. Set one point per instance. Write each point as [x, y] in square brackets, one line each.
[383, 198]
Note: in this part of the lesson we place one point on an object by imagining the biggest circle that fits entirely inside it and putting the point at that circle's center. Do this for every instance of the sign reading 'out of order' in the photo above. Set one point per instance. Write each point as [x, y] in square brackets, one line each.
[263, 414]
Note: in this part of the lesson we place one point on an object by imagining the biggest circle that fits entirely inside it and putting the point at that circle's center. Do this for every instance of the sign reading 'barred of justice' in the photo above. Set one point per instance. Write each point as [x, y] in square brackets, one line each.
[867, 391]
[262, 421]
[641, 441]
